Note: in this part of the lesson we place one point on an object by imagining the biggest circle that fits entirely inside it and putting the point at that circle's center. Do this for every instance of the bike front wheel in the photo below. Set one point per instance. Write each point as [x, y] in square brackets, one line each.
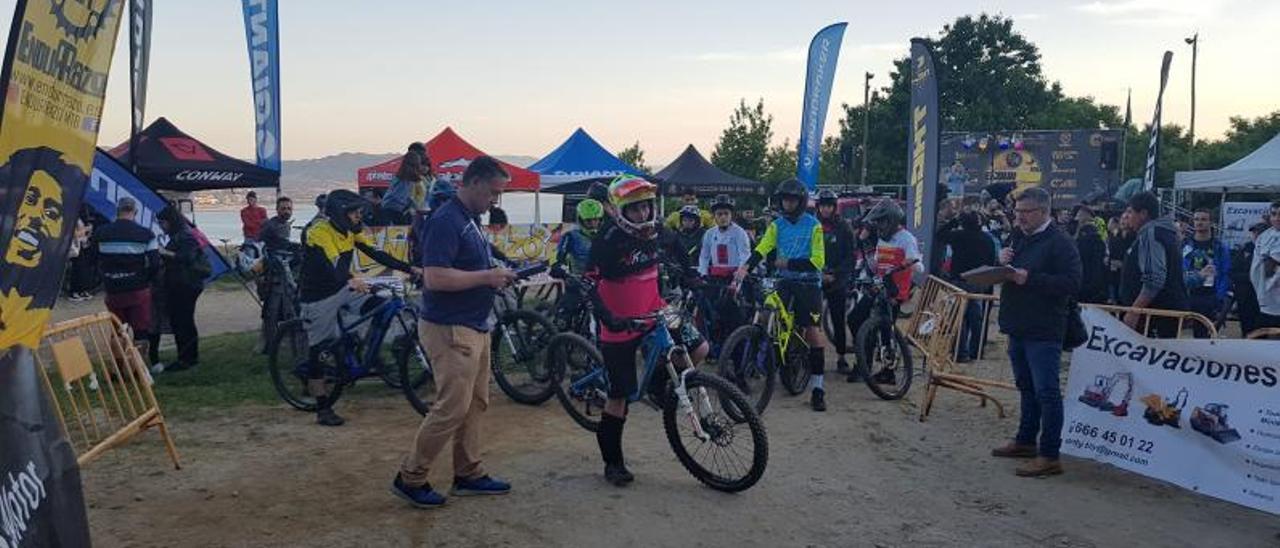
[287, 361]
[884, 358]
[518, 356]
[747, 360]
[580, 382]
[718, 437]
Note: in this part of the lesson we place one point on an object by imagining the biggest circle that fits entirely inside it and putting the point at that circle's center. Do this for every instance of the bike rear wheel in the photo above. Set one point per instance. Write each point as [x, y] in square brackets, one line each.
[518, 356]
[400, 332]
[411, 363]
[287, 362]
[735, 452]
[747, 360]
[885, 364]
[580, 384]
[794, 371]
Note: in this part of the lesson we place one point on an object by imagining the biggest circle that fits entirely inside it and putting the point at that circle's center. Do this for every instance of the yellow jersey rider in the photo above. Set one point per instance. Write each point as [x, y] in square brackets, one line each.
[796, 236]
[327, 284]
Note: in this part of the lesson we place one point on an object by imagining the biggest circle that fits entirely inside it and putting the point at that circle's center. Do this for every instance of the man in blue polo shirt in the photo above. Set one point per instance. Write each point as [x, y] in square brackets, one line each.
[460, 284]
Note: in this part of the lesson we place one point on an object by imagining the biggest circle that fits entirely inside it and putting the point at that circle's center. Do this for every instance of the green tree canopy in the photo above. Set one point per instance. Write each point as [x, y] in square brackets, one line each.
[743, 145]
[634, 156]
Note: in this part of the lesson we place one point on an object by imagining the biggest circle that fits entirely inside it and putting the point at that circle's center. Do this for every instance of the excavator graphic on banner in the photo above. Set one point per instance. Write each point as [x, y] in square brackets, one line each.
[1165, 412]
[1211, 420]
[1098, 395]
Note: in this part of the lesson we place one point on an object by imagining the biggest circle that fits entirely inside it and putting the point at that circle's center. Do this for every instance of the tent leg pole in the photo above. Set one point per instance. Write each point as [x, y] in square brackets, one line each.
[537, 207]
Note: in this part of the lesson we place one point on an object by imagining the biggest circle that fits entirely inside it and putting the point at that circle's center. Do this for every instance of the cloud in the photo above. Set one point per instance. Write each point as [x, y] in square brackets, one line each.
[1159, 13]
[785, 55]
[789, 55]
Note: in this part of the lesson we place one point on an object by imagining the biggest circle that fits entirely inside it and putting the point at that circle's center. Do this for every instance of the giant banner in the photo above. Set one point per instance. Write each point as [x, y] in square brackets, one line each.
[1203, 414]
[139, 67]
[262, 31]
[54, 77]
[922, 151]
[824, 54]
[1153, 143]
[1071, 164]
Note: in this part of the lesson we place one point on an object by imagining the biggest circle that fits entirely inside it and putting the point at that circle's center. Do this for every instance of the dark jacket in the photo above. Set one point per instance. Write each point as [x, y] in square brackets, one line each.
[188, 267]
[1093, 264]
[1154, 263]
[275, 235]
[838, 242]
[970, 248]
[127, 256]
[1038, 310]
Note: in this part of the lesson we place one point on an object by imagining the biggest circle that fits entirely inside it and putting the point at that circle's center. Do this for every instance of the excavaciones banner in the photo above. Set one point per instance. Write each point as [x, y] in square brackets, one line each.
[1203, 414]
[824, 54]
[922, 150]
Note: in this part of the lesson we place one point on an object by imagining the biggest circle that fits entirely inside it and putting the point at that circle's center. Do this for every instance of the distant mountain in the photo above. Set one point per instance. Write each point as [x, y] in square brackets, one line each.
[339, 170]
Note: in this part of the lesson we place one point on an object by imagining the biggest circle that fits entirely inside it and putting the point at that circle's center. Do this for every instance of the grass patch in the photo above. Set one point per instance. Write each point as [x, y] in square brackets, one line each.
[230, 374]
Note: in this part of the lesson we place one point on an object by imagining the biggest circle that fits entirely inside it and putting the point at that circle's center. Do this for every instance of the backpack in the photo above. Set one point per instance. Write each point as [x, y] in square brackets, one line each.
[399, 196]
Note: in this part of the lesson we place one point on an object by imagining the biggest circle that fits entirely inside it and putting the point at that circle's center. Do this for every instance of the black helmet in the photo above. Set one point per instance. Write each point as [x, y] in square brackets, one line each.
[791, 187]
[722, 201]
[599, 192]
[320, 201]
[827, 197]
[338, 204]
[887, 212]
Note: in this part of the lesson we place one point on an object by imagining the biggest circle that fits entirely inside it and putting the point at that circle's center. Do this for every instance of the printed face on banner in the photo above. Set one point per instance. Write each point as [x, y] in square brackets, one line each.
[39, 221]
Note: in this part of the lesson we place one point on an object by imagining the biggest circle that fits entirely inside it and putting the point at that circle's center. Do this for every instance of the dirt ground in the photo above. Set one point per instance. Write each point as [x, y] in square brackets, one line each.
[865, 473]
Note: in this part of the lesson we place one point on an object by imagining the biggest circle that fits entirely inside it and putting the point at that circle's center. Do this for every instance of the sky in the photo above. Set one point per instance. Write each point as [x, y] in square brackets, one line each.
[519, 77]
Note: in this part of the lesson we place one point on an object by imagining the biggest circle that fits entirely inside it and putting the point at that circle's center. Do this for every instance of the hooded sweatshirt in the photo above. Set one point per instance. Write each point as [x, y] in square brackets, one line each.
[1154, 264]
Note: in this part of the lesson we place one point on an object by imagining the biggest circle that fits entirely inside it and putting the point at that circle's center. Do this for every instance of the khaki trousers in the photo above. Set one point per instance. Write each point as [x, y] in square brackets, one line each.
[460, 359]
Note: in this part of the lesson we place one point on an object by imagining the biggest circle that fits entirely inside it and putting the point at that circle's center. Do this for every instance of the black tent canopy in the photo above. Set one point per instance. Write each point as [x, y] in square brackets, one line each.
[691, 171]
[168, 159]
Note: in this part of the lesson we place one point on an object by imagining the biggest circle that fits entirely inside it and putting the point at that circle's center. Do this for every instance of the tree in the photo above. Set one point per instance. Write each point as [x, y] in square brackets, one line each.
[779, 164]
[989, 79]
[634, 157]
[743, 145]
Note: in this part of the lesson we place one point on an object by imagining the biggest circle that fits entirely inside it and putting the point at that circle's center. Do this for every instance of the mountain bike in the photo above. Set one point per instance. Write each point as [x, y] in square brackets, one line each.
[884, 357]
[281, 302]
[390, 349]
[707, 420]
[771, 342]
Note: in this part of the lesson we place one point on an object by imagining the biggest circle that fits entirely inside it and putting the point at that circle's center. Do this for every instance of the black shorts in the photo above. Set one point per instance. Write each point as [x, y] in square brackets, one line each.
[622, 362]
[804, 299]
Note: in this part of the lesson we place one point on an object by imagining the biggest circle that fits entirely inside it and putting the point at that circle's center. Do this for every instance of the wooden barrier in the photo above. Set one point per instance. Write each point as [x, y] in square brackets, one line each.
[100, 385]
[1264, 333]
[935, 330]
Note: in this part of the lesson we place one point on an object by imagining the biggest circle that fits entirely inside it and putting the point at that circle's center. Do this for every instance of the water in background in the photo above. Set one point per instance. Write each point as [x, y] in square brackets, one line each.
[220, 225]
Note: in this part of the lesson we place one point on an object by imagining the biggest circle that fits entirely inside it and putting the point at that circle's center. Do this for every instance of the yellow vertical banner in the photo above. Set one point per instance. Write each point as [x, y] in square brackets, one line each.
[54, 78]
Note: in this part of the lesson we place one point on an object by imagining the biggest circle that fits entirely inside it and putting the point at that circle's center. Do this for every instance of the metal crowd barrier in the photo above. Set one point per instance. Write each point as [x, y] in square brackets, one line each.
[100, 385]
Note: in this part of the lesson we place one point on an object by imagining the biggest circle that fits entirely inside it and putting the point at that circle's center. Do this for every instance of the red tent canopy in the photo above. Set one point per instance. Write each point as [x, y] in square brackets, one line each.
[450, 155]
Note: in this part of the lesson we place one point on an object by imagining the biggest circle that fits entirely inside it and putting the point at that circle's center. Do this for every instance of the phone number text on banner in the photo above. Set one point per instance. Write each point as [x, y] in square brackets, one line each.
[1202, 414]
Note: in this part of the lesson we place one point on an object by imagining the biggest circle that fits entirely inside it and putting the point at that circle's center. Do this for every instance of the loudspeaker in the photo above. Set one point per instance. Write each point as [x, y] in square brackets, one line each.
[1109, 158]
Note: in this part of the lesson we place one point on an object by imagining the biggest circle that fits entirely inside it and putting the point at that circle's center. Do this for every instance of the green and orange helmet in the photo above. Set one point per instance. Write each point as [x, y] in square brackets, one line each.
[626, 190]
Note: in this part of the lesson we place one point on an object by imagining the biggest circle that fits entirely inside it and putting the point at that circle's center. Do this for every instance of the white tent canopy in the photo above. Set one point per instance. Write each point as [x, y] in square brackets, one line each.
[1257, 172]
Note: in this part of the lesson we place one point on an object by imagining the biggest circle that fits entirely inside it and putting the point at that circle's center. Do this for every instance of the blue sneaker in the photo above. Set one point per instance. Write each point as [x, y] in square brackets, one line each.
[483, 485]
[419, 497]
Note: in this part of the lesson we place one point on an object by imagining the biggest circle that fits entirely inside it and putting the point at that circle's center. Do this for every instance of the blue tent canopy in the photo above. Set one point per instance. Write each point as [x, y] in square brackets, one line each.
[579, 158]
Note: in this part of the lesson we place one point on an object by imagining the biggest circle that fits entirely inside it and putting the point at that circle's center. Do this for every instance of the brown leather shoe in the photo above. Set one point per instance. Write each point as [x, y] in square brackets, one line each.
[1013, 450]
[1039, 468]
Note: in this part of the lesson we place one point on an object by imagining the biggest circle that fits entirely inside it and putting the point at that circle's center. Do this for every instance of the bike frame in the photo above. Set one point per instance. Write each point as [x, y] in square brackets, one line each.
[379, 320]
[658, 343]
[777, 319]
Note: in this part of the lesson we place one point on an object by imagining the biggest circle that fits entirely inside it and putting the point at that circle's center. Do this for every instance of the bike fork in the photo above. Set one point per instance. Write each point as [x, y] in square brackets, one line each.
[683, 400]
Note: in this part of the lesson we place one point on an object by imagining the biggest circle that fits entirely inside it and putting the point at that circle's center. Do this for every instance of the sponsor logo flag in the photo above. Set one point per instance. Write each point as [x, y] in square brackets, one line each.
[139, 62]
[824, 52]
[1153, 146]
[54, 77]
[922, 150]
[262, 31]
